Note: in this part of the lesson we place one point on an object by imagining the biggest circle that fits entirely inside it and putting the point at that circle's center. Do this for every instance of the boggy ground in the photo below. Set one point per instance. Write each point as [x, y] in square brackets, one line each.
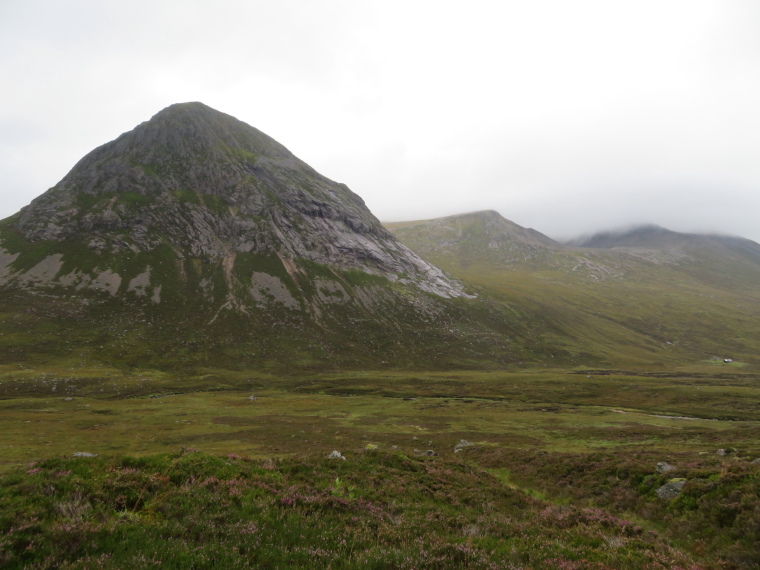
[562, 472]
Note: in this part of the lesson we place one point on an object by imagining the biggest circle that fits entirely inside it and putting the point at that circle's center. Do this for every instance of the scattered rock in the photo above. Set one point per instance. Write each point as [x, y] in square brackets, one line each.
[371, 446]
[461, 445]
[756, 461]
[663, 467]
[68, 399]
[335, 454]
[722, 452]
[84, 454]
[430, 453]
[671, 489]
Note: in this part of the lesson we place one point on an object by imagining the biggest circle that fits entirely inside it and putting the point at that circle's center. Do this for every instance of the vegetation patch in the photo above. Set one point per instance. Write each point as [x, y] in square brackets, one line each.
[372, 510]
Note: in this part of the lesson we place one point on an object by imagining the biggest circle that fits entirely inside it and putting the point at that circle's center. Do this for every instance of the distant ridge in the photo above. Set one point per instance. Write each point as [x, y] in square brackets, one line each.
[639, 292]
[485, 235]
[635, 236]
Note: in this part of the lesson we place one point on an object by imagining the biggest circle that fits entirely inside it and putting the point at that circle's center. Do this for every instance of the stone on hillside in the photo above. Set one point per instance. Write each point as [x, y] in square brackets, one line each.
[722, 452]
[671, 489]
[335, 454]
[663, 467]
[430, 453]
[756, 461]
[461, 445]
[84, 454]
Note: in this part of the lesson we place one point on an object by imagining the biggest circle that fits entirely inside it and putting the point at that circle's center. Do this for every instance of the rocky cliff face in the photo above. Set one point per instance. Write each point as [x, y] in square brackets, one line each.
[211, 187]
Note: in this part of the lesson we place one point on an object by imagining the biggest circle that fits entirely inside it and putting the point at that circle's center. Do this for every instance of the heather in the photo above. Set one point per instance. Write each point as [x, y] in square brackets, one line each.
[373, 510]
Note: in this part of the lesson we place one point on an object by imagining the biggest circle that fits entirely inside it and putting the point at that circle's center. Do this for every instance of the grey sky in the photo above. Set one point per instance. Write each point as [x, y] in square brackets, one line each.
[568, 117]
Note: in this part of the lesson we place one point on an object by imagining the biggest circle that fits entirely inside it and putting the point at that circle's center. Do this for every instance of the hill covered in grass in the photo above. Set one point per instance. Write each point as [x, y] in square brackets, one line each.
[645, 297]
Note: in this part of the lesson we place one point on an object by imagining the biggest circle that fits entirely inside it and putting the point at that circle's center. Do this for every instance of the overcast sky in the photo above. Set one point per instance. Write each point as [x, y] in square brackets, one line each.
[565, 116]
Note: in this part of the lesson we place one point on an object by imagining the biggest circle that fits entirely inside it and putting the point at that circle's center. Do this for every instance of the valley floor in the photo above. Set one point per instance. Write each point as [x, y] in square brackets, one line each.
[523, 469]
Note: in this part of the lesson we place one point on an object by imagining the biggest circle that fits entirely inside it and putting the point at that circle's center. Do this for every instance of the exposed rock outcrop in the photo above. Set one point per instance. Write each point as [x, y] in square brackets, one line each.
[211, 186]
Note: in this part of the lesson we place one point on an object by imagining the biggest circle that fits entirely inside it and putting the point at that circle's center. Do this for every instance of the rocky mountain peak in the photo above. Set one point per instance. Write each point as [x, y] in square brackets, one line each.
[211, 187]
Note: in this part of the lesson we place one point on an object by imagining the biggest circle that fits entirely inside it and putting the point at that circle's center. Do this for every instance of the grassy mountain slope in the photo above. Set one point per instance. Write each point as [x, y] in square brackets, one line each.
[258, 312]
[686, 299]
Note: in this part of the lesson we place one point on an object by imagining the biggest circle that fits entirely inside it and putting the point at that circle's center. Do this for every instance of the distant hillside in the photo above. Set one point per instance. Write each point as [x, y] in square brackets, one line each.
[727, 261]
[477, 235]
[676, 297]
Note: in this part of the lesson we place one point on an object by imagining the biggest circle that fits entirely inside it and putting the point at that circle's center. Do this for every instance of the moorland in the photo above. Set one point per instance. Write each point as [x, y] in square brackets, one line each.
[521, 469]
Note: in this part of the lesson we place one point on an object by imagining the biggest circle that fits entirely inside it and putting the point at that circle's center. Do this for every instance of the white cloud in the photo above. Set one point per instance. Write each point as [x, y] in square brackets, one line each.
[566, 116]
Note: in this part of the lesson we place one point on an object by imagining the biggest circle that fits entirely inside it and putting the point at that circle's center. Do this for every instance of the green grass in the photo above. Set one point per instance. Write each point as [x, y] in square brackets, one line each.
[560, 458]
[374, 510]
[148, 411]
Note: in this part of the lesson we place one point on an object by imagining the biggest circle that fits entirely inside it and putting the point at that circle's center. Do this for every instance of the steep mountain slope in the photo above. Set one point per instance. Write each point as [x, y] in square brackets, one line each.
[210, 186]
[676, 297]
[195, 241]
[195, 238]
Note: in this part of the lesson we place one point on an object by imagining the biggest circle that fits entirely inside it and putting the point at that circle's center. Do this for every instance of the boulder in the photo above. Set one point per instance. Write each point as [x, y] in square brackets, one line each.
[671, 489]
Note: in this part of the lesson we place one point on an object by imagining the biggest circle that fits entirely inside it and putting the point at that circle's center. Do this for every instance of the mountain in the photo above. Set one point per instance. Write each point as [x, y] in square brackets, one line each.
[641, 295]
[196, 243]
[211, 187]
[477, 235]
[726, 261]
[197, 238]
[488, 239]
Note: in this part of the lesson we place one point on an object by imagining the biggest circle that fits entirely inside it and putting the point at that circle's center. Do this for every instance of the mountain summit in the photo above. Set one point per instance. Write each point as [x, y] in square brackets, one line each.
[212, 186]
[196, 238]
